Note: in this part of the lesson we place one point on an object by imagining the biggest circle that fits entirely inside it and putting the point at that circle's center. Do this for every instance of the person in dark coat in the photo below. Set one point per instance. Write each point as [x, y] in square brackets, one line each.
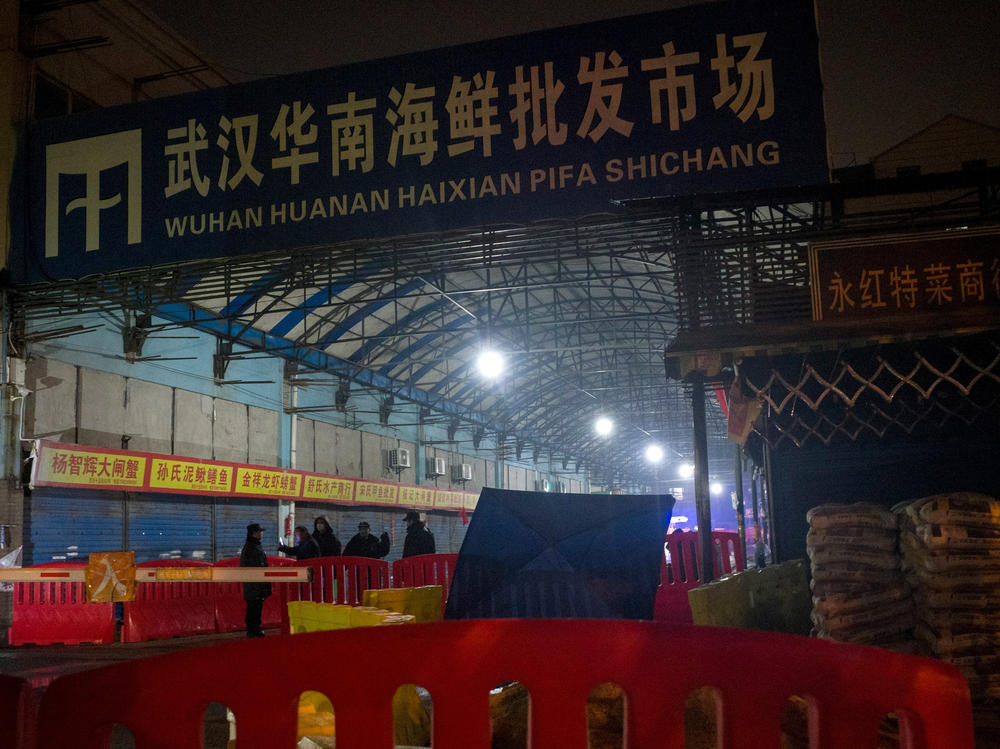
[306, 548]
[419, 540]
[329, 544]
[364, 544]
[252, 555]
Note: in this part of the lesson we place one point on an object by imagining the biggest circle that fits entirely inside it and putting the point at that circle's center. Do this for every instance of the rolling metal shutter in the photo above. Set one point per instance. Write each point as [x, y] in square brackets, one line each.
[170, 526]
[232, 516]
[65, 525]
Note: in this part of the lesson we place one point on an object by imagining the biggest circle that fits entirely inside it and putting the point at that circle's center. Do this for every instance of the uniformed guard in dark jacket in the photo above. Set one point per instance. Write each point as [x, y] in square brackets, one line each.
[419, 540]
[306, 548]
[252, 555]
[364, 544]
[329, 544]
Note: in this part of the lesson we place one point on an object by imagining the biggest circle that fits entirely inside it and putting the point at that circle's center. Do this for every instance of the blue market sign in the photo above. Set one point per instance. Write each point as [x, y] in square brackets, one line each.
[712, 98]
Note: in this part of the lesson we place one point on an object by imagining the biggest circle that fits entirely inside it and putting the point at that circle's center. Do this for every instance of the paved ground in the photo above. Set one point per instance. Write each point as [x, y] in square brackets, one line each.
[40, 664]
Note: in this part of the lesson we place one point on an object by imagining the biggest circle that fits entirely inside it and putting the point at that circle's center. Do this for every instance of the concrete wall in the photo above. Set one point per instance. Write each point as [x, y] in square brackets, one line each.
[50, 408]
[229, 435]
[100, 409]
[75, 403]
[149, 416]
[193, 418]
[262, 436]
[305, 444]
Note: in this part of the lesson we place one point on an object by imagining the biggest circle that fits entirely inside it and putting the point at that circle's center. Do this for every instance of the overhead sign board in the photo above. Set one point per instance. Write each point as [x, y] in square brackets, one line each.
[918, 281]
[558, 123]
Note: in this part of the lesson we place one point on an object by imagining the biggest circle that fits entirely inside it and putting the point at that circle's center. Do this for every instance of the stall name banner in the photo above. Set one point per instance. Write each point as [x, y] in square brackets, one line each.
[78, 466]
[71, 465]
[190, 476]
[258, 481]
[328, 488]
[919, 280]
[376, 492]
[713, 98]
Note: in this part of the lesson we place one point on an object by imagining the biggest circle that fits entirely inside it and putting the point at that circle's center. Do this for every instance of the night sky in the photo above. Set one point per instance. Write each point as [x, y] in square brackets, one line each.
[890, 67]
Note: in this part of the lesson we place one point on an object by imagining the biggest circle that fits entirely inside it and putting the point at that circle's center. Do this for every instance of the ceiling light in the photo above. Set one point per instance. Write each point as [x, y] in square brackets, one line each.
[603, 426]
[654, 453]
[490, 364]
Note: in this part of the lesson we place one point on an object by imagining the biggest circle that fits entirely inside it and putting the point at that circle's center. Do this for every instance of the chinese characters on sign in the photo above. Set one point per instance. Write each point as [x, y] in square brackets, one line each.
[942, 274]
[270, 483]
[450, 500]
[376, 492]
[425, 123]
[550, 124]
[327, 488]
[179, 475]
[82, 467]
[417, 496]
[58, 464]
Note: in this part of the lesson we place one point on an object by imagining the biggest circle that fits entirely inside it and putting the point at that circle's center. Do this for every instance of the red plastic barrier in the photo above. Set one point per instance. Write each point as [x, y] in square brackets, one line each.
[353, 576]
[17, 713]
[729, 555]
[683, 571]
[850, 688]
[162, 610]
[424, 569]
[51, 612]
[230, 608]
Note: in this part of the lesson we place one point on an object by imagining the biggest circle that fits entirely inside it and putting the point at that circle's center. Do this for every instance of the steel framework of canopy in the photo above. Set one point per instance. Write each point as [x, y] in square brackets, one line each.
[583, 310]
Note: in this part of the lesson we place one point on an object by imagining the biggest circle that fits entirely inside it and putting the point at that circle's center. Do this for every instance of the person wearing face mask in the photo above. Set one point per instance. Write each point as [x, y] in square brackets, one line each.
[364, 544]
[329, 544]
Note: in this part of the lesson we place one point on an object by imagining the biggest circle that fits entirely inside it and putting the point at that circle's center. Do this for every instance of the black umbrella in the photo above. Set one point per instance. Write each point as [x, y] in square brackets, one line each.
[535, 554]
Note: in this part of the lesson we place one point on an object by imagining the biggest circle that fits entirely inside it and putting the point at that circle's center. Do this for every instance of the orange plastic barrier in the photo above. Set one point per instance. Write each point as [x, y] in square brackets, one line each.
[17, 713]
[343, 579]
[850, 688]
[170, 609]
[683, 571]
[425, 569]
[51, 612]
[230, 608]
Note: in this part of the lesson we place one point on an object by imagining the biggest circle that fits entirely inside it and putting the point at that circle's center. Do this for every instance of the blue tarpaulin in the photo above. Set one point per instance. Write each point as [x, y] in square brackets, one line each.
[536, 554]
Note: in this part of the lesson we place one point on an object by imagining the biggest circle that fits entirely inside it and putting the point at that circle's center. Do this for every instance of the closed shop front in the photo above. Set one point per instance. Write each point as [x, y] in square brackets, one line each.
[65, 525]
[233, 515]
[170, 526]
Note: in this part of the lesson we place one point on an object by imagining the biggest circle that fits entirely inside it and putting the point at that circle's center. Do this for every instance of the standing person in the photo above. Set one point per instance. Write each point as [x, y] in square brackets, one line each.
[329, 544]
[252, 555]
[364, 544]
[306, 548]
[419, 540]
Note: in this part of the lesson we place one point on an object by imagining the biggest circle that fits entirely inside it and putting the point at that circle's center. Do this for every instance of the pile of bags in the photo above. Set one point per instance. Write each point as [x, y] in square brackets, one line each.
[951, 556]
[859, 592]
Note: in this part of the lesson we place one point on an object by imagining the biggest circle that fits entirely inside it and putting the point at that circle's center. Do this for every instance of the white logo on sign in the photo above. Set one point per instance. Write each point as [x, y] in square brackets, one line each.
[89, 157]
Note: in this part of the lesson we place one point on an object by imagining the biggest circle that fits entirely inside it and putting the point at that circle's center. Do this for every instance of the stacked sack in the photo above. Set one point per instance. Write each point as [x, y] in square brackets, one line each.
[951, 556]
[859, 592]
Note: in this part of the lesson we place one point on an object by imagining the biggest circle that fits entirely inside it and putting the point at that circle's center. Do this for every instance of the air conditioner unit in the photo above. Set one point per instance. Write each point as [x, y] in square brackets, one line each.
[461, 472]
[399, 459]
[436, 467]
